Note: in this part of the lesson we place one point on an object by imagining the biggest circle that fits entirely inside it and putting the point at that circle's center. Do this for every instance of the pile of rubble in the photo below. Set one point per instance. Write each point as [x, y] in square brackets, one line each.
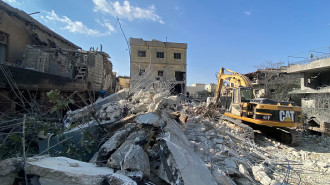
[151, 138]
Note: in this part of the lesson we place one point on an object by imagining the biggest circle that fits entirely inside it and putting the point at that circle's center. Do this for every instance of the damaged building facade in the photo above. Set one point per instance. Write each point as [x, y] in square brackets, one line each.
[156, 64]
[38, 59]
[315, 92]
[274, 83]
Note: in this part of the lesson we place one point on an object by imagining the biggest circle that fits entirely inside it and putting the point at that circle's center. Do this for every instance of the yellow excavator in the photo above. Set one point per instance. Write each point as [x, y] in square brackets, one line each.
[272, 117]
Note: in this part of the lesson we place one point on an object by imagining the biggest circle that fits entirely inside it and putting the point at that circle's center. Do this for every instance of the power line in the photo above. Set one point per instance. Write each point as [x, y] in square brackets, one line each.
[122, 31]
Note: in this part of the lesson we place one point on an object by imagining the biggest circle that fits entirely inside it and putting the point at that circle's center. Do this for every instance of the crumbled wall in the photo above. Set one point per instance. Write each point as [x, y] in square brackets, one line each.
[22, 30]
[317, 105]
[275, 84]
[69, 63]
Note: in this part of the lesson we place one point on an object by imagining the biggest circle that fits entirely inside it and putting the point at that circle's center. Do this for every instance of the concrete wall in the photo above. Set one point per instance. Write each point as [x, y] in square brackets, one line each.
[67, 63]
[317, 105]
[194, 88]
[322, 64]
[151, 64]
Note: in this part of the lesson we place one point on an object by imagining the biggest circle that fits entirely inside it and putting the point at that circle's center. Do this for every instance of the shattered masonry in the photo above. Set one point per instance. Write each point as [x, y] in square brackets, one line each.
[149, 141]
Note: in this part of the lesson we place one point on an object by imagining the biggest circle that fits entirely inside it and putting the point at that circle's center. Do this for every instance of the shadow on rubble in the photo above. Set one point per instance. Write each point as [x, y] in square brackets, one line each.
[309, 143]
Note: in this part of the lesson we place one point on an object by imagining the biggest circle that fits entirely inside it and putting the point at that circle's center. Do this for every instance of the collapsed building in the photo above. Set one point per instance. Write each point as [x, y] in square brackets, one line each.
[147, 139]
[36, 59]
[274, 83]
[154, 64]
[315, 92]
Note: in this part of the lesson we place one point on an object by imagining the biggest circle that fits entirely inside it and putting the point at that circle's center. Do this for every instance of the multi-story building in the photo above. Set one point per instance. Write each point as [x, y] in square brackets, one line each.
[314, 92]
[155, 64]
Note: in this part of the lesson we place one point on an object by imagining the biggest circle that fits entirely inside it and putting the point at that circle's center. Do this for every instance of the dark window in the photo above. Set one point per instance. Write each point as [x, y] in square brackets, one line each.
[180, 76]
[160, 73]
[177, 55]
[141, 72]
[160, 54]
[3, 46]
[142, 53]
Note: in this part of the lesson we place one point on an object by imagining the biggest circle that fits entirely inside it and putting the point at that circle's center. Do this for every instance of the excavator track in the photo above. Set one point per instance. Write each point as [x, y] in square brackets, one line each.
[246, 130]
[290, 136]
[239, 128]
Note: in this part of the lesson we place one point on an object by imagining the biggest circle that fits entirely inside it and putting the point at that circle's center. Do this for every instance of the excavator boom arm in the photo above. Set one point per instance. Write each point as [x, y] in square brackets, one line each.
[235, 79]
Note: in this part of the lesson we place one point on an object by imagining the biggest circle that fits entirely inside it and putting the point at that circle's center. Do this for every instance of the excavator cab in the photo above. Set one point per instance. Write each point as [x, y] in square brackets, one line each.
[241, 96]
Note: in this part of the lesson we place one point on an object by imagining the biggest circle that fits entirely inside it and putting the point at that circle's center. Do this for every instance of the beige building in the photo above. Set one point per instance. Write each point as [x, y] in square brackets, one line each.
[211, 87]
[194, 88]
[198, 87]
[122, 83]
[155, 64]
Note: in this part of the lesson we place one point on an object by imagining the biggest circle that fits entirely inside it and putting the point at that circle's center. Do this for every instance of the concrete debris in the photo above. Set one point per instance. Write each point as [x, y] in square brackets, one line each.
[136, 159]
[190, 168]
[118, 156]
[133, 174]
[62, 170]
[243, 170]
[115, 141]
[75, 116]
[119, 179]
[148, 118]
[261, 176]
[9, 170]
[222, 178]
[155, 138]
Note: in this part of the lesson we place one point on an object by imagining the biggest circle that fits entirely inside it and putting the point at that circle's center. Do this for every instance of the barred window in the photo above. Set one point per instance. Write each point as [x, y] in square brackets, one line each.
[3, 46]
[142, 53]
[160, 54]
[177, 55]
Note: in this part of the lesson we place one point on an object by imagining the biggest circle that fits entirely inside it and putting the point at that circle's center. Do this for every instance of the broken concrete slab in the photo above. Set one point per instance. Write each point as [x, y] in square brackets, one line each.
[111, 144]
[243, 170]
[150, 118]
[119, 179]
[136, 159]
[136, 175]
[11, 165]
[9, 169]
[229, 163]
[159, 96]
[139, 108]
[221, 177]
[62, 170]
[261, 176]
[118, 156]
[94, 107]
[190, 167]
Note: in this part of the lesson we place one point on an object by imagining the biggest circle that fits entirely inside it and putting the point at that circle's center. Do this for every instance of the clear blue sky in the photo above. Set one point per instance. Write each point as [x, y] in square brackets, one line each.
[235, 34]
